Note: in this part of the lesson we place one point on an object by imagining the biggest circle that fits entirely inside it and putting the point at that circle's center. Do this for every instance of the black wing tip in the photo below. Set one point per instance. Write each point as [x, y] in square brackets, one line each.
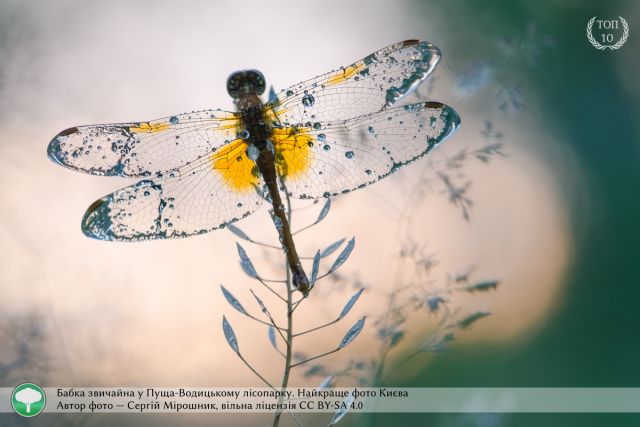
[410, 42]
[417, 42]
[434, 104]
[68, 131]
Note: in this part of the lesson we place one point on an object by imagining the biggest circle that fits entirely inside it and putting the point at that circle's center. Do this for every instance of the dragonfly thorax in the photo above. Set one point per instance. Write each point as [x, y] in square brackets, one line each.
[254, 126]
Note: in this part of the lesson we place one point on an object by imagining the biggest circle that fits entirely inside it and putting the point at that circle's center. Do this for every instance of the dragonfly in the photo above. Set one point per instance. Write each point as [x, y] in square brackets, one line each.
[200, 171]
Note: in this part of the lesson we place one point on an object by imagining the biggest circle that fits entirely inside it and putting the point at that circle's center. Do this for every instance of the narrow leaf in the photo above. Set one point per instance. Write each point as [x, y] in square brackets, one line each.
[331, 248]
[472, 318]
[326, 382]
[314, 269]
[238, 232]
[439, 345]
[233, 301]
[230, 335]
[396, 337]
[314, 371]
[350, 303]
[273, 98]
[344, 255]
[324, 211]
[272, 337]
[245, 262]
[352, 333]
[260, 303]
[434, 303]
[482, 286]
[344, 408]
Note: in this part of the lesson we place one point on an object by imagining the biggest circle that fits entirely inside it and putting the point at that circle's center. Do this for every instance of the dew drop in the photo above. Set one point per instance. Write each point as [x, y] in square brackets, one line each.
[349, 154]
[308, 100]
[270, 146]
[317, 125]
[321, 137]
[173, 120]
[289, 92]
[326, 147]
[252, 152]
[367, 171]
[244, 134]
[371, 129]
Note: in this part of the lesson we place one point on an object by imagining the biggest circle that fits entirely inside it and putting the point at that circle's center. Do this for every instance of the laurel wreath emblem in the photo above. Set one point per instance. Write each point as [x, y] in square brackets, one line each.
[617, 45]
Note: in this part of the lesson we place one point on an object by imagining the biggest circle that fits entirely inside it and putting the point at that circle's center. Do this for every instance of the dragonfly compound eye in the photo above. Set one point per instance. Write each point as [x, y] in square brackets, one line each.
[246, 82]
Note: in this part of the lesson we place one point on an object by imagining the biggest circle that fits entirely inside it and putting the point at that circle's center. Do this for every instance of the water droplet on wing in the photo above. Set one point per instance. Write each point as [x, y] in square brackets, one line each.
[308, 100]
[252, 152]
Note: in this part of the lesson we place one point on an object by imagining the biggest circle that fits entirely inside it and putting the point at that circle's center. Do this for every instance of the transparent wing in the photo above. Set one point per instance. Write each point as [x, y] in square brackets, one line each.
[194, 199]
[366, 86]
[143, 149]
[336, 158]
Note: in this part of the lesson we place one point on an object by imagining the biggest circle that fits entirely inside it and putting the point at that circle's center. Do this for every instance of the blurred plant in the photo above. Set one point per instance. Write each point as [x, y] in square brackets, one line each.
[417, 295]
[21, 354]
[513, 51]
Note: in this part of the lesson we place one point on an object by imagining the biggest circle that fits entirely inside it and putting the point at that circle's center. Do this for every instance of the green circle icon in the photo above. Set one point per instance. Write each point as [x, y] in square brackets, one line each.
[28, 399]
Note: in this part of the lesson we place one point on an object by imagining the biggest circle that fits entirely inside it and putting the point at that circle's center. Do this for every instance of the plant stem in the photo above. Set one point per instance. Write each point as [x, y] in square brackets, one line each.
[315, 357]
[254, 371]
[289, 337]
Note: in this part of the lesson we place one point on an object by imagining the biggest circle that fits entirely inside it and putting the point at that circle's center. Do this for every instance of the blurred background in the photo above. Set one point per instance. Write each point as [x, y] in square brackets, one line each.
[548, 213]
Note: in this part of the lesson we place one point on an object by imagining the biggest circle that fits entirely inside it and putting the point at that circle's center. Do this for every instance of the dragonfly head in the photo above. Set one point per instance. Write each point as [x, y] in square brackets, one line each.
[245, 82]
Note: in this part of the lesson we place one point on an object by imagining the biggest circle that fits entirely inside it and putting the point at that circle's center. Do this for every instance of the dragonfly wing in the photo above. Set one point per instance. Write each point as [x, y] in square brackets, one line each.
[366, 86]
[143, 149]
[336, 158]
[205, 195]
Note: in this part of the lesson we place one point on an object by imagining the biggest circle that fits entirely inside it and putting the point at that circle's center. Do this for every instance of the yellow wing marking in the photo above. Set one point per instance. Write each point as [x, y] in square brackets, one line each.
[236, 168]
[146, 127]
[292, 145]
[226, 123]
[229, 121]
[346, 73]
[293, 150]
